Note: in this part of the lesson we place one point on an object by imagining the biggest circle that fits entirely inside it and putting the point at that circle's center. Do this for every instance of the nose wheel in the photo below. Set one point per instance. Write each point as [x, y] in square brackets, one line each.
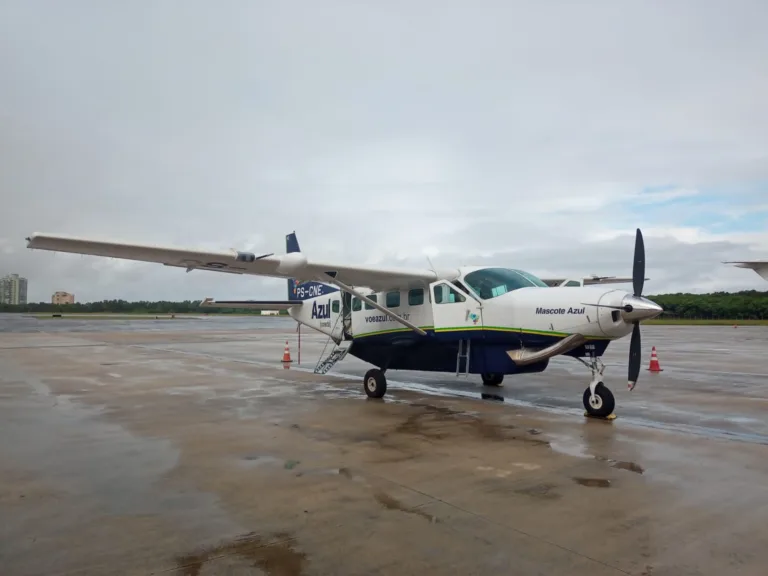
[600, 402]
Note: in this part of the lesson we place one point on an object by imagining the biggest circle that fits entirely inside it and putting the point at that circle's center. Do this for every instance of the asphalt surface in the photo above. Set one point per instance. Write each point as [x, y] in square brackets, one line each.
[184, 447]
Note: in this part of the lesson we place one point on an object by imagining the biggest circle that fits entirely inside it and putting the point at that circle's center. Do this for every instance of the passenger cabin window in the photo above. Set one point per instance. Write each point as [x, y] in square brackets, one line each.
[371, 297]
[357, 305]
[493, 282]
[416, 297]
[444, 294]
[335, 306]
[393, 299]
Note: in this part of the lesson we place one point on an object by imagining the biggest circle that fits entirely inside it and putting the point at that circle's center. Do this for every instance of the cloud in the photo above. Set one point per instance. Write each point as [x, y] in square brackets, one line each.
[537, 136]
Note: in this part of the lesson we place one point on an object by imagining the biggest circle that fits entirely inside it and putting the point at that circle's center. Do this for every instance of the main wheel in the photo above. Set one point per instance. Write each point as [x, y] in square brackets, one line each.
[603, 403]
[375, 383]
[492, 379]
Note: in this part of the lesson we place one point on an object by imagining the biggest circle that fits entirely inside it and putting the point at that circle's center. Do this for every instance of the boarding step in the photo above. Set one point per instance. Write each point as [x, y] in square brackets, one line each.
[463, 354]
[336, 354]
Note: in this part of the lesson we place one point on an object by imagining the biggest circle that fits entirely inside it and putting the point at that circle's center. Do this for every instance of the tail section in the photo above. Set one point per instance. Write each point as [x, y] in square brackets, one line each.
[303, 290]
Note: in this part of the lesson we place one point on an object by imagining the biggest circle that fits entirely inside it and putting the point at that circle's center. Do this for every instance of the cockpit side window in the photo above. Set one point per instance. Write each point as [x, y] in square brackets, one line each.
[493, 282]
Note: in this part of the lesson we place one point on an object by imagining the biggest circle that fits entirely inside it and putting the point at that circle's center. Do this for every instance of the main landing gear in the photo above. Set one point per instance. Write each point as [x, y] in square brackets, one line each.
[375, 383]
[492, 379]
[598, 399]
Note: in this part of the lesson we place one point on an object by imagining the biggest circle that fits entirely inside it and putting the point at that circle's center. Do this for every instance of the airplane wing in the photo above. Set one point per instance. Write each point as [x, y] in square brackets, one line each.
[251, 304]
[759, 266]
[292, 265]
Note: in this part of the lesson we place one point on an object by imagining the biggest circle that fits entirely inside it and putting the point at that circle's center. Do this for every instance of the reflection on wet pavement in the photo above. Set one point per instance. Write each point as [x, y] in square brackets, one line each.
[144, 447]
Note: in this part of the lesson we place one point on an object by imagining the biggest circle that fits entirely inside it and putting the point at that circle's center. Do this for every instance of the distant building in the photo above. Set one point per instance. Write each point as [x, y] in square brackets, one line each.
[270, 312]
[63, 298]
[13, 290]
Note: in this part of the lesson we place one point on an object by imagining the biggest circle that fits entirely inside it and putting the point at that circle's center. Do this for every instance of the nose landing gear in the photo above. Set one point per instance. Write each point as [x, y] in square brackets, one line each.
[598, 399]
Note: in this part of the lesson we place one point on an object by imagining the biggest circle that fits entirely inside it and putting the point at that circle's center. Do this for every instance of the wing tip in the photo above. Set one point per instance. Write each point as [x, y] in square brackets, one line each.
[32, 238]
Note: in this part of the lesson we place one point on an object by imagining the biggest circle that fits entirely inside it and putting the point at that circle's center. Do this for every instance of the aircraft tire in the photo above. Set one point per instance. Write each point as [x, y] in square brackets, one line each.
[604, 401]
[492, 379]
[375, 383]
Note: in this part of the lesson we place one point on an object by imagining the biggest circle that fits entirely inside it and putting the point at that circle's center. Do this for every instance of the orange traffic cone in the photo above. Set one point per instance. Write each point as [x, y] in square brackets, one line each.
[654, 367]
[286, 354]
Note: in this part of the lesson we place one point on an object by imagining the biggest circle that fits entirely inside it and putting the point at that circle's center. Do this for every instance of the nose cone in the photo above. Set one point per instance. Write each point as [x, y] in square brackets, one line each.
[637, 308]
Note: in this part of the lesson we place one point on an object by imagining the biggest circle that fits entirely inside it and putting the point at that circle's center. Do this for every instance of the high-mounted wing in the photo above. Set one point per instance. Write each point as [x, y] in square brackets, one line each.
[292, 265]
[759, 266]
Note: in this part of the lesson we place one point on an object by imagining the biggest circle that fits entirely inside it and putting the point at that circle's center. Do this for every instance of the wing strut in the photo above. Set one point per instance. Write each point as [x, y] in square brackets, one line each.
[376, 305]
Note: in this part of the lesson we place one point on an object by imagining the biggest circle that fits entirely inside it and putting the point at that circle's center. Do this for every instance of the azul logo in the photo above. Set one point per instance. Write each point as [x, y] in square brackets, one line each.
[321, 310]
[560, 310]
[472, 316]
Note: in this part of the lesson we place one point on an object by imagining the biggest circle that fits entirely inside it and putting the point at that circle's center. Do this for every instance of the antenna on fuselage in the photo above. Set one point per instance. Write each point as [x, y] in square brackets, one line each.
[431, 266]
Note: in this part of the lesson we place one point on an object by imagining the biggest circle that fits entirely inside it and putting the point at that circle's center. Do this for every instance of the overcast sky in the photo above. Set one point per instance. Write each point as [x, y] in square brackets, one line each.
[535, 135]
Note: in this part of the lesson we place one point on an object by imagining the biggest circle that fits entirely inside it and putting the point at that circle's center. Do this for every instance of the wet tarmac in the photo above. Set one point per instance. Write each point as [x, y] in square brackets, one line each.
[184, 447]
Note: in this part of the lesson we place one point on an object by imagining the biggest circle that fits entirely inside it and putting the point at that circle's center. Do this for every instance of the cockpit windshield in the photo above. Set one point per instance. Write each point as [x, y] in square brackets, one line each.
[492, 282]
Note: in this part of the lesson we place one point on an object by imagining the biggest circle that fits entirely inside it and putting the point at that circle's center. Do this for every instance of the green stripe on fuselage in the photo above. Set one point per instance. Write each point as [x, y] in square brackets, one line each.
[479, 328]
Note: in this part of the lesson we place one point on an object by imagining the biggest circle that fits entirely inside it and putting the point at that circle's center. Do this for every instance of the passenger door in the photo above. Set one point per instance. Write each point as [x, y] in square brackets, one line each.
[337, 320]
[454, 311]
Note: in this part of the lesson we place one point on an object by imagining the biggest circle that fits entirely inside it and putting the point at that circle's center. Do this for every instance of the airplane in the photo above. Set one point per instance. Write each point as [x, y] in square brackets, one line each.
[492, 321]
[759, 266]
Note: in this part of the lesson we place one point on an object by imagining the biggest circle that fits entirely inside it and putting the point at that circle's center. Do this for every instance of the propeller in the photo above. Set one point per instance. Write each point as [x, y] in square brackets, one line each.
[638, 281]
[639, 309]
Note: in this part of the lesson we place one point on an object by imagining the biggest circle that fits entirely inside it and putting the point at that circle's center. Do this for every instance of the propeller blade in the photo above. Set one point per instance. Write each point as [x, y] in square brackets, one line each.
[638, 269]
[634, 356]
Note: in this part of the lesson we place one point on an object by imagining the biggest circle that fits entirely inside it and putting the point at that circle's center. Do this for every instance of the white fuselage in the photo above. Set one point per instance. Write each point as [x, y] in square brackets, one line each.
[547, 310]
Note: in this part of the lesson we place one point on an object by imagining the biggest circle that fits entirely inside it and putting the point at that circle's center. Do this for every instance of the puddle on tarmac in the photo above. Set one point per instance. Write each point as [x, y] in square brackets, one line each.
[345, 472]
[593, 482]
[631, 466]
[543, 491]
[260, 459]
[429, 422]
[278, 557]
[622, 464]
[568, 447]
[391, 503]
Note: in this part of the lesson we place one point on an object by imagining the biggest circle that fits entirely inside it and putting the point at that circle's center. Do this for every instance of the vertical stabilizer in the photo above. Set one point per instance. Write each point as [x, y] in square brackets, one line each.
[303, 290]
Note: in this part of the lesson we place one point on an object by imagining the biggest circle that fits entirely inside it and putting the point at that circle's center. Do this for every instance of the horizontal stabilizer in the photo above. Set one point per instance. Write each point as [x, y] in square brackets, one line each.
[252, 304]
[522, 357]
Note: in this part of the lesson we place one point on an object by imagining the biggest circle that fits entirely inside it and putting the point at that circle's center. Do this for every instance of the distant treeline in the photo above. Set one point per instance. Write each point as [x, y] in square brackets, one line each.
[750, 304]
[747, 305]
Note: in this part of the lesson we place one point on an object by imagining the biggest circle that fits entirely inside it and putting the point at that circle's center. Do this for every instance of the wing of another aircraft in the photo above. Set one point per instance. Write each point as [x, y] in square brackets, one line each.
[587, 281]
[291, 265]
[759, 266]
